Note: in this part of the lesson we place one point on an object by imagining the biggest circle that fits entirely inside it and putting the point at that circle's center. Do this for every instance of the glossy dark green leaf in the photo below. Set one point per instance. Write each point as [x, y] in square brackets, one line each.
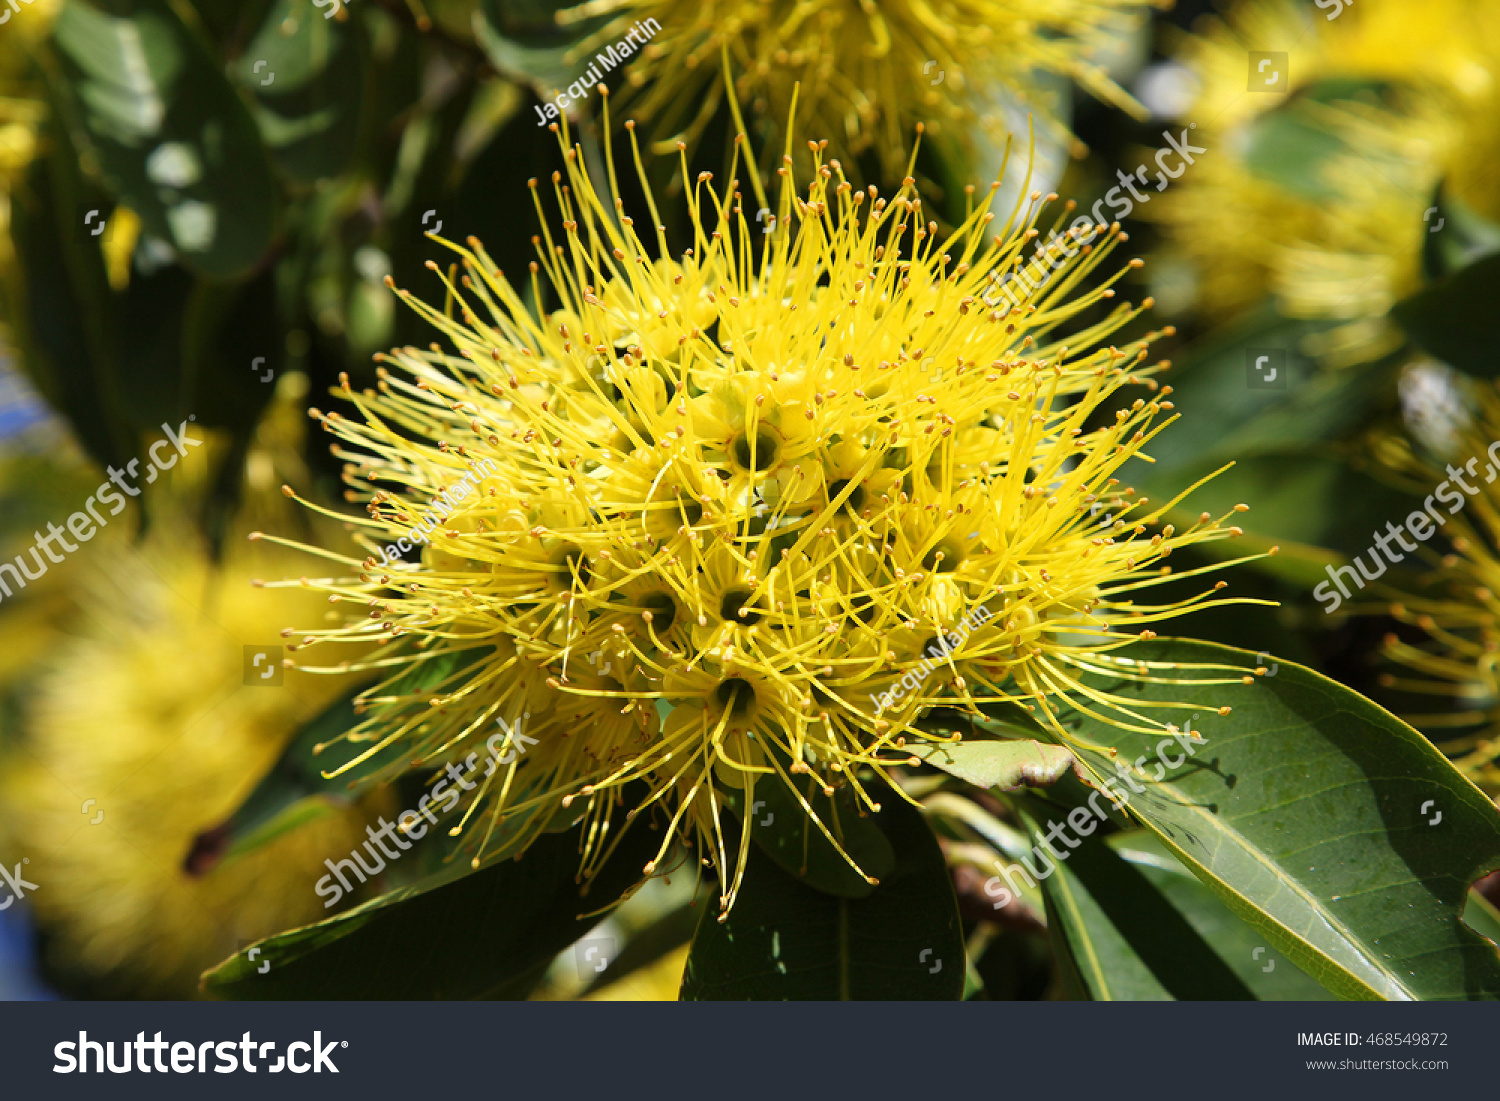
[1284, 444]
[227, 21]
[530, 16]
[783, 940]
[311, 775]
[233, 341]
[997, 721]
[1260, 628]
[172, 139]
[1312, 813]
[150, 313]
[307, 77]
[233, 338]
[1069, 971]
[59, 305]
[441, 672]
[483, 935]
[499, 172]
[782, 828]
[524, 40]
[1268, 974]
[1127, 941]
[1455, 320]
[121, 362]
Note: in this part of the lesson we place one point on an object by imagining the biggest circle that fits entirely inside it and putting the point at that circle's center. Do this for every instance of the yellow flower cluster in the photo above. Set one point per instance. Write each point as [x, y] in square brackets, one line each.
[694, 519]
[1456, 609]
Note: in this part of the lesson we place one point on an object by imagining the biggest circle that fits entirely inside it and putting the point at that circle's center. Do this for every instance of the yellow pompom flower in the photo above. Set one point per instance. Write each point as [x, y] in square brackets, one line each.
[744, 516]
[868, 72]
[139, 733]
[1458, 662]
[1416, 109]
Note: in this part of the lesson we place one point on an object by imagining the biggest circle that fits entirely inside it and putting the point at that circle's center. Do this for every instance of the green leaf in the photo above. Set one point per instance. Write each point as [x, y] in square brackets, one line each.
[1308, 811]
[1283, 444]
[1269, 976]
[782, 829]
[1224, 418]
[151, 313]
[307, 77]
[524, 40]
[1483, 918]
[1140, 927]
[496, 102]
[1454, 319]
[501, 169]
[1005, 764]
[232, 335]
[172, 139]
[487, 934]
[1015, 966]
[225, 329]
[229, 20]
[440, 672]
[1004, 721]
[1294, 147]
[59, 306]
[1127, 942]
[529, 16]
[297, 787]
[784, 940]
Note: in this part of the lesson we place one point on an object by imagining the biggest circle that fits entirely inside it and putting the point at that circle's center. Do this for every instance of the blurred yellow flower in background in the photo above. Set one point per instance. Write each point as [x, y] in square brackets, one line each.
[36, 487]
[139, 731]
[1382, 108]
[869, 72]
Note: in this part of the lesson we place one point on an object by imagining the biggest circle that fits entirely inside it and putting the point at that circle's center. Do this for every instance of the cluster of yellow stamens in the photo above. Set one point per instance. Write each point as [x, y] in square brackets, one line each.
[699, 520]
[1457, 663]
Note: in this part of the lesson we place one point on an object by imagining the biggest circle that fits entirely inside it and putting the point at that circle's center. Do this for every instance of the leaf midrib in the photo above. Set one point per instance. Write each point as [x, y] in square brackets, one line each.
[1223, 827]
